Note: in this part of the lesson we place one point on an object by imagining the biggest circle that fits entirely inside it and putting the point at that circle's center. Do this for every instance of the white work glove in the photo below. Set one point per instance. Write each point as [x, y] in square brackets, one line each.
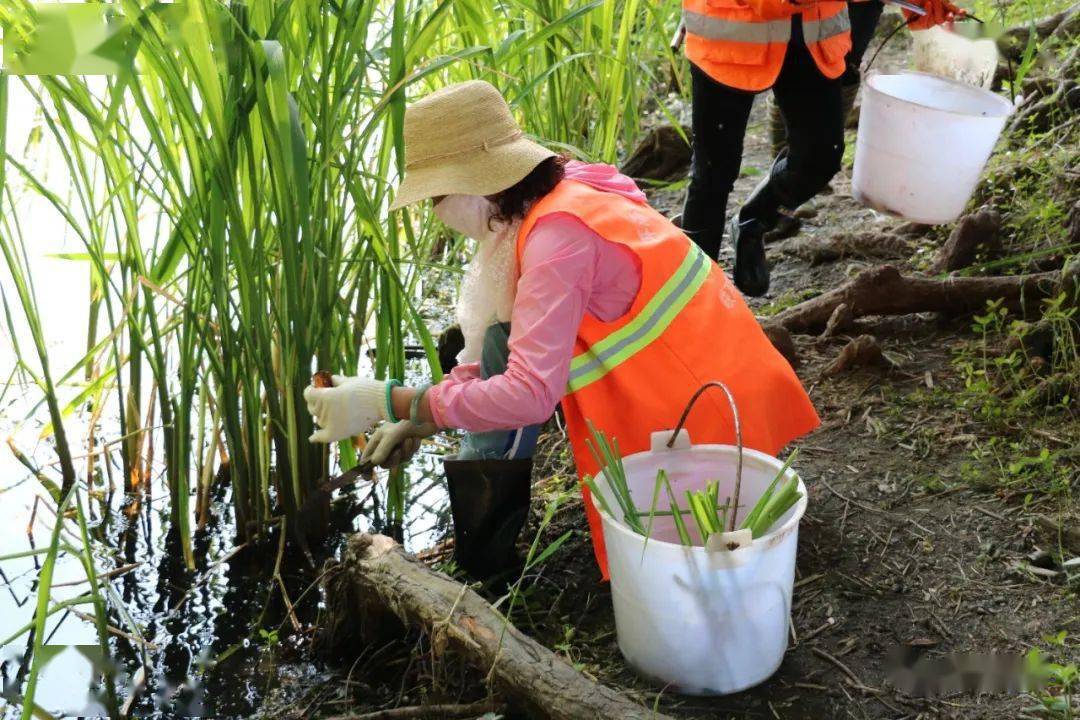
[395, 443]
[351, 407]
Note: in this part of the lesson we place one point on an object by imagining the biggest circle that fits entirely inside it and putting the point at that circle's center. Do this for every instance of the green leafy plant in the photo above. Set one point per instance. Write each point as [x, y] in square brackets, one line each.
[774, 502]
[1057, 682]
[605, 453]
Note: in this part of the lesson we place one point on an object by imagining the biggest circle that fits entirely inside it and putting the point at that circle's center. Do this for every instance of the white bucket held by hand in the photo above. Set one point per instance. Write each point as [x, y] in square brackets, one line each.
[923, 143]
[701, 622]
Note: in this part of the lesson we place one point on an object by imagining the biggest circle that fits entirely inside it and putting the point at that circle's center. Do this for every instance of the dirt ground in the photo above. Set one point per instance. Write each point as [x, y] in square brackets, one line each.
[895, 550]
[912, 539]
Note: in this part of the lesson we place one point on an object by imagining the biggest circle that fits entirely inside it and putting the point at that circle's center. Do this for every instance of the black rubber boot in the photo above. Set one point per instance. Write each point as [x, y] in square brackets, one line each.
[751, 268]
[489, 501]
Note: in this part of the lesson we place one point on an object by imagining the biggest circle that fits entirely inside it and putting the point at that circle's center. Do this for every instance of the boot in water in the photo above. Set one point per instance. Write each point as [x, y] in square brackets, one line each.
[489, 502]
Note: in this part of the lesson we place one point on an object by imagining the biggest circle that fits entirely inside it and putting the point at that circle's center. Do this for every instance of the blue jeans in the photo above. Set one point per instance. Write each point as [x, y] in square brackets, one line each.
[498, 444]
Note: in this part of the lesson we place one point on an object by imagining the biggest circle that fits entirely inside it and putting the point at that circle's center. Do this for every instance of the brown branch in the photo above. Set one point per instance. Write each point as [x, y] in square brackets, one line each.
[376, 581]
[421, 712]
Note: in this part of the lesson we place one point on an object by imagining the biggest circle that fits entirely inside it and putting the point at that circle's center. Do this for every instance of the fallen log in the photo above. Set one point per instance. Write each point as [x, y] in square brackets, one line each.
[375, 576]
[883, 290]
[1012, 44]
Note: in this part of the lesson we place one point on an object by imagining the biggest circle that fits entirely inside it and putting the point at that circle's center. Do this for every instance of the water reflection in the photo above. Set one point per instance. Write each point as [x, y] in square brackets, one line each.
[211, 642]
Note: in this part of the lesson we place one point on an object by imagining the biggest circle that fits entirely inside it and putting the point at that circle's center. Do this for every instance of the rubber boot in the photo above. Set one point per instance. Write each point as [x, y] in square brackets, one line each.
[489, 502]
[751, 268]
[710, 241]
[787, 225]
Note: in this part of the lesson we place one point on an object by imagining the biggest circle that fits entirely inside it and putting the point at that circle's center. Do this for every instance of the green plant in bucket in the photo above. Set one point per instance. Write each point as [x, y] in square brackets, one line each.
[704, 506]
[773, 503]
[706, 510]
[606, 454]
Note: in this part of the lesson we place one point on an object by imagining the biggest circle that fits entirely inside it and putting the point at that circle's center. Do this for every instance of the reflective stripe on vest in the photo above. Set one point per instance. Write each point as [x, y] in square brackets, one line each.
[687, 325]
[815, 31]
[764, 32]
[717, 28]
[603, 357]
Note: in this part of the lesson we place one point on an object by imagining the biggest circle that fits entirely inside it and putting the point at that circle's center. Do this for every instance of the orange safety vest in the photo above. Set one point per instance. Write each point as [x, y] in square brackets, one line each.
[742, 43]
[688, 325]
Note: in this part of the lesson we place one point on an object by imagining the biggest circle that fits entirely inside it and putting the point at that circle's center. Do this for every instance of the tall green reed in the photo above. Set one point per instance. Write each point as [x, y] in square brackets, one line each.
[231, 196]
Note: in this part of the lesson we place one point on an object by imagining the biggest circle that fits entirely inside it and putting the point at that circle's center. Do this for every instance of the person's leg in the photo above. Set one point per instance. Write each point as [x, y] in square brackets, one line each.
[720, 114]
[498, 444]
[490, 481]
[811, 106]
[813, 113]
[864, 21]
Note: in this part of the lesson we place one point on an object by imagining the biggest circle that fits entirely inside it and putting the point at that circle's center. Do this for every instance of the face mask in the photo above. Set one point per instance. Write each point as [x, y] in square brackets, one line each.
[468, 215]
[490, 280]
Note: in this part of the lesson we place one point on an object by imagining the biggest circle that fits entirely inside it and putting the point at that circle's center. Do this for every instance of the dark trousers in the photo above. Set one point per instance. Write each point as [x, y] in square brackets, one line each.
[812, 109]
[864, 21]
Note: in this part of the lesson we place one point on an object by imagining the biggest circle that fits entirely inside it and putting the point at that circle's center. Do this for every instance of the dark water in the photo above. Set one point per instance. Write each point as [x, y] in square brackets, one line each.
[215, 641]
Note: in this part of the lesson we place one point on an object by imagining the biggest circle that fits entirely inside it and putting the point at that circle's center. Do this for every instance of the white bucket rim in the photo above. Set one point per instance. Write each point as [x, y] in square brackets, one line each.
[760, 543]
[1007, 107]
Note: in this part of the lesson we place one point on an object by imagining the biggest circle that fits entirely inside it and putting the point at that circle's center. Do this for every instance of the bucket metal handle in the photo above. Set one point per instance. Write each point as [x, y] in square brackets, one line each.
[738, 435]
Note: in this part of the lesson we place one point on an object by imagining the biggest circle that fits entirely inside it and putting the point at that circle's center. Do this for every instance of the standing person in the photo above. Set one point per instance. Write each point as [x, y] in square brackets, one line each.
[864, 17]
[612, 311]
[738, 48]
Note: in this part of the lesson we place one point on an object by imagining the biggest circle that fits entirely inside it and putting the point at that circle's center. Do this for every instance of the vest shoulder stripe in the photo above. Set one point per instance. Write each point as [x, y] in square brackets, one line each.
[765, 31]
[650, 322]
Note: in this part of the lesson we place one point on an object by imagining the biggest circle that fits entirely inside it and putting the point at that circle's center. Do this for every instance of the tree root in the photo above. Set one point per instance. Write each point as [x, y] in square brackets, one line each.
[663, 154]
[863, 351]
[843, 245]
[973, 232]
[883, 290]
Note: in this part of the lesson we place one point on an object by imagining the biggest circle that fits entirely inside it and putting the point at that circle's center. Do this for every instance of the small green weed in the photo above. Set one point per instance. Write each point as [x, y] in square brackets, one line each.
[789, 298]
[1058, 682]
[1014, 368]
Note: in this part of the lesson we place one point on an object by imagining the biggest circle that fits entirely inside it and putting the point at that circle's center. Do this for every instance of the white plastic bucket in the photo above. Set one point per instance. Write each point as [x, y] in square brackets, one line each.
[923, 143]
[696, 621]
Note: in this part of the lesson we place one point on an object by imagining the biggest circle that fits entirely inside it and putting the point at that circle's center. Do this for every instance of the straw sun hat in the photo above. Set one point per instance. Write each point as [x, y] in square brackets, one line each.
[463, 140]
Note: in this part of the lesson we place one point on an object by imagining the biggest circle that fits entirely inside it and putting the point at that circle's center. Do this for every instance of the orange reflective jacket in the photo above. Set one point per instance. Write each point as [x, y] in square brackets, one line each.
[688, 325]
[742, 43]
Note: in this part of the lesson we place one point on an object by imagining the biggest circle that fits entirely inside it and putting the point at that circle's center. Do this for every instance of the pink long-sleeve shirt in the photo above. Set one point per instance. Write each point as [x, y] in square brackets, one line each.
[566, 271]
